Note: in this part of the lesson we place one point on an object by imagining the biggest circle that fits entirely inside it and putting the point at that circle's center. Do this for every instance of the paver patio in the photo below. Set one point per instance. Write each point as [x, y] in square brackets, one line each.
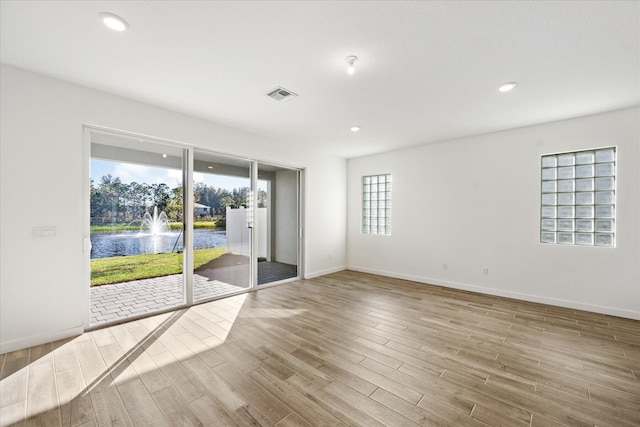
[137, 297]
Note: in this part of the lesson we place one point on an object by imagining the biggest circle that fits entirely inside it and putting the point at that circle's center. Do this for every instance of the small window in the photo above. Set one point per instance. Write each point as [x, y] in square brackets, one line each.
[376, 204]
[578, 198]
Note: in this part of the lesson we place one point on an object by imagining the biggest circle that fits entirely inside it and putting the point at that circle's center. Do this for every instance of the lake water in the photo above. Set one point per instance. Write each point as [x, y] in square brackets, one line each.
[133, 243]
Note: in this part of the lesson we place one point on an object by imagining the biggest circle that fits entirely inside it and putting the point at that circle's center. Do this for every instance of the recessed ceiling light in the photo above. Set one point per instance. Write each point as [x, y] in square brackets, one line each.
[114, 22]
[506, 87]
[209, 167]
[164, 155]
[355, 128]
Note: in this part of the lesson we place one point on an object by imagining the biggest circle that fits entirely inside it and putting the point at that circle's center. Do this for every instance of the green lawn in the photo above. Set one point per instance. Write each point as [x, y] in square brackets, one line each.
[125, 268]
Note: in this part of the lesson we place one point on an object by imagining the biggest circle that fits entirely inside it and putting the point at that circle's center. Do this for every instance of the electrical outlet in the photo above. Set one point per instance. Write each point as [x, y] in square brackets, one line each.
[445, 266]
[485, 271]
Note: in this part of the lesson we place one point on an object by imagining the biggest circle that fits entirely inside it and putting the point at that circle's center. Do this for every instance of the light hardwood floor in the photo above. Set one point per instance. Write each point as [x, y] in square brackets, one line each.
[343, 349]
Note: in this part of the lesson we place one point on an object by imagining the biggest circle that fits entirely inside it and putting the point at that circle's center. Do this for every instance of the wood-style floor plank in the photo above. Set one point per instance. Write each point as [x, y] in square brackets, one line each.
[41, 389]
[343, 349]
[306, 409]
[75, 404]
[108, 406]
[268, 404]
[13, 385]
[367, 405]
[140, 405]
[210, 413]
[184, 382]
[175, 409]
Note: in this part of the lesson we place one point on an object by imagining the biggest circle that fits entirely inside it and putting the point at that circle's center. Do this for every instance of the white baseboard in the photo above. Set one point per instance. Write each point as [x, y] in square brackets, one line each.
[324, 272]
[612, 311]
[9, 346]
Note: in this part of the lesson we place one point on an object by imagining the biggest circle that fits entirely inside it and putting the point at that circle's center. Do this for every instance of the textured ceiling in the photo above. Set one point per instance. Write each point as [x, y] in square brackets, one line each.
[427, 71]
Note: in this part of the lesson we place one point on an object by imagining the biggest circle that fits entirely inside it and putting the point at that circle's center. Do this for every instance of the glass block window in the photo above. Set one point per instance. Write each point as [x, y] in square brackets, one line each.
[376, 204]
[578, 198]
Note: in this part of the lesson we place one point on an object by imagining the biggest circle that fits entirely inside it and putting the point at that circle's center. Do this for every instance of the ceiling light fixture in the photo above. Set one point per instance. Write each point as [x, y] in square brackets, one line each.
[209, 167]
[506, 87]
[355, 128]
[164, 155]
[351, 60]
[114, 22]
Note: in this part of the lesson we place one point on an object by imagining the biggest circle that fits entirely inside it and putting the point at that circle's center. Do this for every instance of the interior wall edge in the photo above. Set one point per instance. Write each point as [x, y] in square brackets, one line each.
[611, 311]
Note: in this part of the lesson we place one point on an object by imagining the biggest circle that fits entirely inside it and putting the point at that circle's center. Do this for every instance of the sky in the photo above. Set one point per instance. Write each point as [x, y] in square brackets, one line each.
[128, 172]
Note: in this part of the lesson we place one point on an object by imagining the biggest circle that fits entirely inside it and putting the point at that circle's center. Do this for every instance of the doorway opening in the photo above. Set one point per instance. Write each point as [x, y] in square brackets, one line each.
[279, 231]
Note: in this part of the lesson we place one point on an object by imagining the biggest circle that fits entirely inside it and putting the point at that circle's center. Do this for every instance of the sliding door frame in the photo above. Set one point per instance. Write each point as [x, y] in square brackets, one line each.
[187, 224]
[188, 219]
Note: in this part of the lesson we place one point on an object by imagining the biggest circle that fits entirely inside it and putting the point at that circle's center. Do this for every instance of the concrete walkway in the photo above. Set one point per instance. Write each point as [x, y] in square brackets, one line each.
[138, 297]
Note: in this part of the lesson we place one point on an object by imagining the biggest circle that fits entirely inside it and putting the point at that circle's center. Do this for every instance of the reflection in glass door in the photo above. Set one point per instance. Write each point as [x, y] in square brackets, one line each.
[222, 225]
[136, 227]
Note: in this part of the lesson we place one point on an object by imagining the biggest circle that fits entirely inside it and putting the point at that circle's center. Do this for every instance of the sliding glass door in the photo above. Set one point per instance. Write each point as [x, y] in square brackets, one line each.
[222, 225]
[171, 225]
[136, 227]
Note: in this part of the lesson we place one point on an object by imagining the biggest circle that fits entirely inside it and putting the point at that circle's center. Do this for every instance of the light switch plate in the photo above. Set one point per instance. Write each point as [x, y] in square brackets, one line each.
[44, 232]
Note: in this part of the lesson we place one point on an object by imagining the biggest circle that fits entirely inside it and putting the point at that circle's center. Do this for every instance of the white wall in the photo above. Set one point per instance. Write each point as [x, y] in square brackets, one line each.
[286, 217]
[42, 291]
[474, 203]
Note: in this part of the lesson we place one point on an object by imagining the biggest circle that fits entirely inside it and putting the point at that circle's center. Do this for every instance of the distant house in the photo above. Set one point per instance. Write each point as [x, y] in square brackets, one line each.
[201, 210]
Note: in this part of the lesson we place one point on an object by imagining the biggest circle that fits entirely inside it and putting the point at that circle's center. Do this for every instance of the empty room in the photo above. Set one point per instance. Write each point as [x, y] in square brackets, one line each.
[319, 213]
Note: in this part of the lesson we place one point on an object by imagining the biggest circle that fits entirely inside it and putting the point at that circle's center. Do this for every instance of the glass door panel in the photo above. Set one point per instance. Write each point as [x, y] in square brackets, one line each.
[136, 227]
[277, 223]
[222, 221]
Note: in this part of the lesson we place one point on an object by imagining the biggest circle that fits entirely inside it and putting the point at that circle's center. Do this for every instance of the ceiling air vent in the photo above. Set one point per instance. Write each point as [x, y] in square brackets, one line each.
[281, 94]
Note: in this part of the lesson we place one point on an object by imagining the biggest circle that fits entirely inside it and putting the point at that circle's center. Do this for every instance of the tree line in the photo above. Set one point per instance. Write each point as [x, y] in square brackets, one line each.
[113, 201]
